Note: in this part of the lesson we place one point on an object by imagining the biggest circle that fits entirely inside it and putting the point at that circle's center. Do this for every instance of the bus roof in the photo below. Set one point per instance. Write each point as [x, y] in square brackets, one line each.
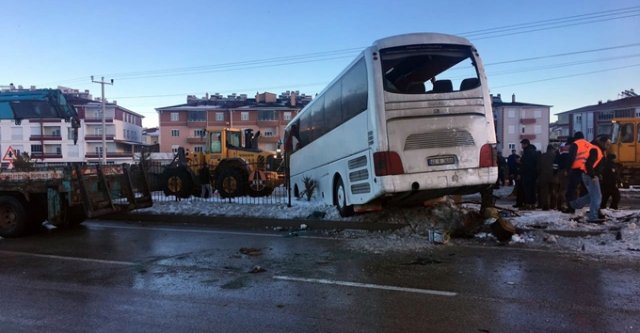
[419, 38]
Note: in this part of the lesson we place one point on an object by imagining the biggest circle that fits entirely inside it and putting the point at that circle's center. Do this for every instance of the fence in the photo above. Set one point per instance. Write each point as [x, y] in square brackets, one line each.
[163, 180]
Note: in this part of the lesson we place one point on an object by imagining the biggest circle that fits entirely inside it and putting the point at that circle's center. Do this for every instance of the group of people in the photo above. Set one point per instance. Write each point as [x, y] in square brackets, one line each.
[578, 173]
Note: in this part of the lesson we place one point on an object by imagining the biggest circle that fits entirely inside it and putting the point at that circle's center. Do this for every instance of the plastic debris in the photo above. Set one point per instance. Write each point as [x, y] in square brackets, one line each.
[257, 269]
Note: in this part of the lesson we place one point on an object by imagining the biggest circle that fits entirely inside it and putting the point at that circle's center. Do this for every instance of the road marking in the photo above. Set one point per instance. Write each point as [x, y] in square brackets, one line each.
[203, 231]
[367, 285]
[51, 256]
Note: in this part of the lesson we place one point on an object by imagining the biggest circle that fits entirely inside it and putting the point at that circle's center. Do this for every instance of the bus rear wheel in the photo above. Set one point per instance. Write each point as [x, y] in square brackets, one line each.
[340, 199]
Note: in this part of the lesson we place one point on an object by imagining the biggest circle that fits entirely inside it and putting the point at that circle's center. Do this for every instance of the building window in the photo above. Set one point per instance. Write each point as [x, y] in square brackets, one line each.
[97, 130]
[197, 116]
[99, 150]
[287, 116]
[537, 114]
[199, 133]
[198, 149]
[537, 129]
[70, 133]
[16, 133]
[244, 116]
[175, 116]
[36, 149]
[219, 116]
[175, 132]
[268, 132]
[523, 129]
[266, 115]
[511, 114]
[511, 129]
[73, 151]
[579, 118]
[512, 146]
[174, 149]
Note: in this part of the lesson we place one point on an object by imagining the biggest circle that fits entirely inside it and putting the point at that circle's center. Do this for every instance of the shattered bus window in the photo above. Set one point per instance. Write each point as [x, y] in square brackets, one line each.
[420, 69]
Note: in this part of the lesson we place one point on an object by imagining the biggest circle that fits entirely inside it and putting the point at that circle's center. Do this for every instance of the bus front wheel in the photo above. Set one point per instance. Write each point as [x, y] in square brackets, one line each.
[340, 199]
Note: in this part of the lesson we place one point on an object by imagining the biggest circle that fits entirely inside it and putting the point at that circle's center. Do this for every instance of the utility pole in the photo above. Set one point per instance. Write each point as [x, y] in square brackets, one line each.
[104, 129]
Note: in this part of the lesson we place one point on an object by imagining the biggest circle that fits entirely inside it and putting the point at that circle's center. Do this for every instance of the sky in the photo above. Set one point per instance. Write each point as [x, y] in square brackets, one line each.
[565, 54]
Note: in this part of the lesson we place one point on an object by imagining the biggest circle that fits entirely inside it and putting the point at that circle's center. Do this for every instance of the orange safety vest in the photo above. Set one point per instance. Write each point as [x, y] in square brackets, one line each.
[584, 147]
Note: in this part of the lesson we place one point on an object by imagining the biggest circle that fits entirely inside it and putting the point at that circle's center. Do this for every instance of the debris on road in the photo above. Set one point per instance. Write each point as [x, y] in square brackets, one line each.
[249, 251]
[257, 269]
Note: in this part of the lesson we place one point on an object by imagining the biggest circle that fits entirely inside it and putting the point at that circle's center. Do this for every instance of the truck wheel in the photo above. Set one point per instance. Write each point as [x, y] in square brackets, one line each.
[231, 183]
[340, 199]
[179, 183]
[13, 218]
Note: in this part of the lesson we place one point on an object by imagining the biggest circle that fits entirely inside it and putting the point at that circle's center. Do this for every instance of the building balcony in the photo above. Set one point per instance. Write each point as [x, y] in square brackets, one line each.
[109, 137]
[110, 155]
[527, 136]
[269, 139]
[527, 121]
[45, 138]
[97, 121]
[196, 140]
[45, 120]
[267, 123]
[38, 155]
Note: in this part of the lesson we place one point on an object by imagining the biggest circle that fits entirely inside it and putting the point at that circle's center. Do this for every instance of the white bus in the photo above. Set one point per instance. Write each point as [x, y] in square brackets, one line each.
[408, 120]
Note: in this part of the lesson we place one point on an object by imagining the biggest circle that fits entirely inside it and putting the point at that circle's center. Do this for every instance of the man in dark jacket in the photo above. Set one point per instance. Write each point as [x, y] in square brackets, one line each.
[512, 164]
[528, 173]
[609, 182]
[546, 179]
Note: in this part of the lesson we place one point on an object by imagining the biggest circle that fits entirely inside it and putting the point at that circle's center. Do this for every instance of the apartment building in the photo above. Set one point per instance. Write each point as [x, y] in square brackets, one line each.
[51, 140]
[515, 121]
[595, 120]
[185, 125]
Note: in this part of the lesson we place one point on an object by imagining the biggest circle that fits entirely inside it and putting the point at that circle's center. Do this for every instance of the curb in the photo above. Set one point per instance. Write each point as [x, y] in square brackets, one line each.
[247, 222]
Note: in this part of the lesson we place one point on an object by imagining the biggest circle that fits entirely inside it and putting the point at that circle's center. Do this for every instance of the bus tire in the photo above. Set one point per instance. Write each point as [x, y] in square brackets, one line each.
[231, 182]
[340, 199]
[13, 218]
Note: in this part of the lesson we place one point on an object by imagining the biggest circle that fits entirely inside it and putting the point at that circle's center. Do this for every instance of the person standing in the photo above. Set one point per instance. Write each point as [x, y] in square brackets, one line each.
[512, 164]
[529, 173]
[205, 182]
[586, 158]
[609, 182]
[562, 174]
[546, 179]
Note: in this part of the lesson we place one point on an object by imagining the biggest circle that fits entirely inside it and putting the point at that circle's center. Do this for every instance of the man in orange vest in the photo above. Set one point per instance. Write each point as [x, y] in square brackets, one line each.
[585, 158]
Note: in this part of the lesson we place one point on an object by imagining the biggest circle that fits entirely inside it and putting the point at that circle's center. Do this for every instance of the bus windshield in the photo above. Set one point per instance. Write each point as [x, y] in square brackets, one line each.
[432, 68]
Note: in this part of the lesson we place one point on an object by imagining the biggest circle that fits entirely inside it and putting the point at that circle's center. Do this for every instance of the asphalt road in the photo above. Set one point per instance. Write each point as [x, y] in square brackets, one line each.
[113, 276]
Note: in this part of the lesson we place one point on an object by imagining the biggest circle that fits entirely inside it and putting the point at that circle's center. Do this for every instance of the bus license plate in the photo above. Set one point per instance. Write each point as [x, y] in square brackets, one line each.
[441, 160]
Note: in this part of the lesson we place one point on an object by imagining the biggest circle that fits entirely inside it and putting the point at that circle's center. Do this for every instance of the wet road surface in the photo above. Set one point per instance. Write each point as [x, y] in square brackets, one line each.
[118, 277]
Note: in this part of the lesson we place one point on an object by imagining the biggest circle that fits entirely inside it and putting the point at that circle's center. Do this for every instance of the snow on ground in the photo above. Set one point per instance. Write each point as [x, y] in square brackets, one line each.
[618, 236]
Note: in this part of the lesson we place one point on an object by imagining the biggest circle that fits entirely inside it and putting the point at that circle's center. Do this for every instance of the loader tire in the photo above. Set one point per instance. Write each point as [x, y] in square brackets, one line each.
[231, 182]
[13, 218]
[178, 182]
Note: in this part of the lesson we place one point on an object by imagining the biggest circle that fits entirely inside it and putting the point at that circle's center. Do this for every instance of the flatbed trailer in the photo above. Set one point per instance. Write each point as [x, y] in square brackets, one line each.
[67, 195]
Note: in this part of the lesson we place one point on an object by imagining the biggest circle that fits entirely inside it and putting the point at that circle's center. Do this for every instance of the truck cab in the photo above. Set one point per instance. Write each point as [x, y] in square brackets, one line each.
[625, 144]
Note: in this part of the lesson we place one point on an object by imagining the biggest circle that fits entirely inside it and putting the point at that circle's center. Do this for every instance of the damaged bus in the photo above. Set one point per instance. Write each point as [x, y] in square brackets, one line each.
[408, 120]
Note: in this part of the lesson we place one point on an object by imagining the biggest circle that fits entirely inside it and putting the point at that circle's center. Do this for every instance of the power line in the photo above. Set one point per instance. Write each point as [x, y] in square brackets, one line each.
[565, 76]
[563, 54]
[331, 55]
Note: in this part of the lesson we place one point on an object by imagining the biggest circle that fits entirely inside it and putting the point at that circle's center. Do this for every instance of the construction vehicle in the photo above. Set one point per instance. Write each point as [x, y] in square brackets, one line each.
[64, 195]
[625, 144]
[237, 166]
